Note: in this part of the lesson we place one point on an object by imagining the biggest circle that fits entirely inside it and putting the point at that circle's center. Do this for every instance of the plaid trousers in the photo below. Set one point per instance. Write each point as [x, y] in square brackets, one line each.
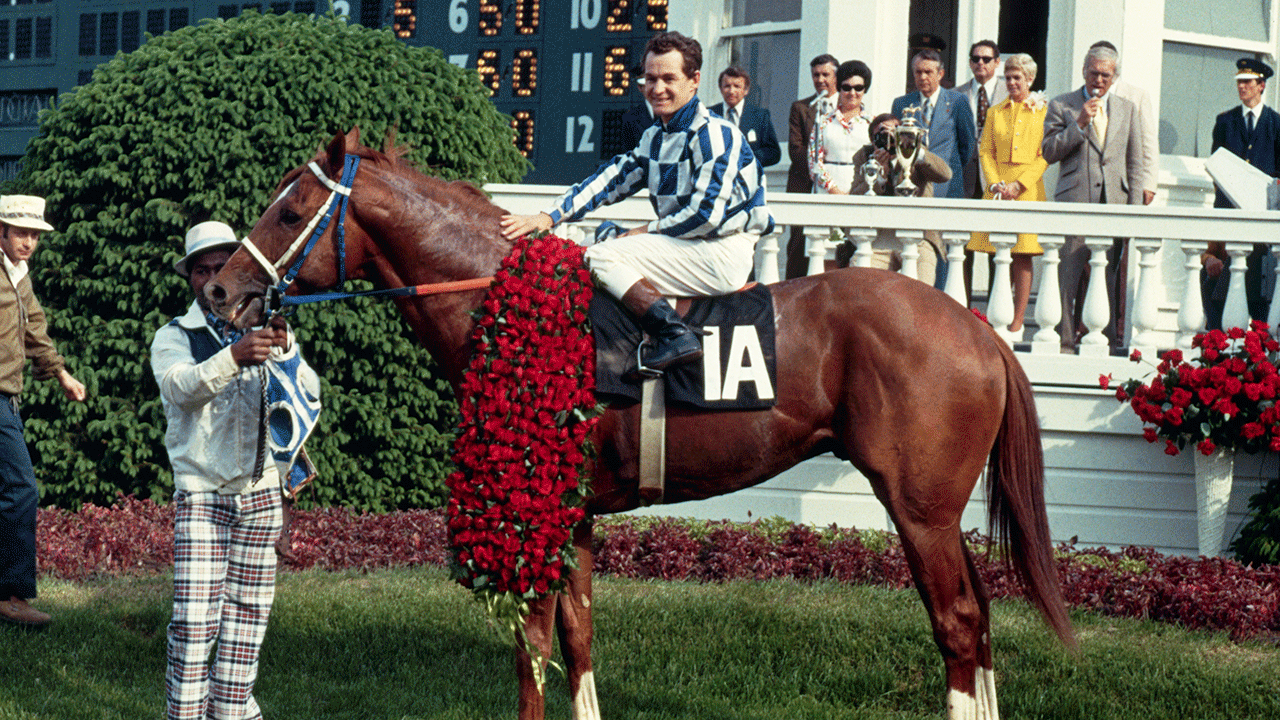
[223, 584]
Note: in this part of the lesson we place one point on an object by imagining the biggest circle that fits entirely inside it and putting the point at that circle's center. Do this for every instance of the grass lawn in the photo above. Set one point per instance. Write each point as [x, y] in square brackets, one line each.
[410, 644]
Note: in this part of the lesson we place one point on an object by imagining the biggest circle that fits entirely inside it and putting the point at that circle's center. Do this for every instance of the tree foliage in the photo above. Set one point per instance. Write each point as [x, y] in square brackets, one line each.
[200, 124]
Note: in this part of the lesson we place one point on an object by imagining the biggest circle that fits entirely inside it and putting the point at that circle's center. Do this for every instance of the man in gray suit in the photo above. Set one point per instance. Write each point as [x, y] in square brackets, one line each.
[1097, 137]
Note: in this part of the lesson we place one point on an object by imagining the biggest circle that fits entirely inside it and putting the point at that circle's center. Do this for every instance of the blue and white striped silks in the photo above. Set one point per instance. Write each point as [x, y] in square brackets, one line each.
[292, 413]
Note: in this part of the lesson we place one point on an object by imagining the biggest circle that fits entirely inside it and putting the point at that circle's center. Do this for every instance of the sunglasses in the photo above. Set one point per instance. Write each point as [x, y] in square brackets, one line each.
[847, 87]
[981, 59]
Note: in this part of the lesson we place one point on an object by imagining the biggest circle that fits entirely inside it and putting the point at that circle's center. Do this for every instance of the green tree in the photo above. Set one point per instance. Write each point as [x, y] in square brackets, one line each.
[201, 124]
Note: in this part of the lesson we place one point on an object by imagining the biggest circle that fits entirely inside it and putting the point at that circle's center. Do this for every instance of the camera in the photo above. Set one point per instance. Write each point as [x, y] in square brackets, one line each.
[886, 140]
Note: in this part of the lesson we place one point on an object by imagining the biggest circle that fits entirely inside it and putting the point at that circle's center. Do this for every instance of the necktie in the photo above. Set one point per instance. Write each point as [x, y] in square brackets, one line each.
[928, 117]
[1248, 119]
[1100, 125]
[983, 105]
[733, 116]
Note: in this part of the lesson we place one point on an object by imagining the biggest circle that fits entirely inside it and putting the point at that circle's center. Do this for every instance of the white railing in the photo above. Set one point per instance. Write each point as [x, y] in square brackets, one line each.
[1164, 276]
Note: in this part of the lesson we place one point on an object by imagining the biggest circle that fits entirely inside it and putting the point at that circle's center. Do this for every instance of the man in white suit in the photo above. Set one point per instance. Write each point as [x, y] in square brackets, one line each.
[985, 90]
[1097, 137]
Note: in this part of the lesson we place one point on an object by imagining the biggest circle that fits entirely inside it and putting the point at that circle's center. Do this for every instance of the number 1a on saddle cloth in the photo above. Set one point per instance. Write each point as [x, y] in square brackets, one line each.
[738, 370]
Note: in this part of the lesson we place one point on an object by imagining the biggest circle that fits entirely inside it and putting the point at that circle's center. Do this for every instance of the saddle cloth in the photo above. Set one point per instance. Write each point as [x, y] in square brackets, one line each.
[738, 370]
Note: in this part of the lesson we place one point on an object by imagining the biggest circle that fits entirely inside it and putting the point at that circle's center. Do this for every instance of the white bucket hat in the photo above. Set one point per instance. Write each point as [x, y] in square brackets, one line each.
[25, 211]
[202, 238]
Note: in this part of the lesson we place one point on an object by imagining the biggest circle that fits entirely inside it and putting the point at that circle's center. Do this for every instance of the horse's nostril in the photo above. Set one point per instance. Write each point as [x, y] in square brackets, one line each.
[217, 293]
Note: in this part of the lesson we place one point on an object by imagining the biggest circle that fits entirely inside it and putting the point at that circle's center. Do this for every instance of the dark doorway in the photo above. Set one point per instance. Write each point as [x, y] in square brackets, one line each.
[936, 18]
[1024, 28]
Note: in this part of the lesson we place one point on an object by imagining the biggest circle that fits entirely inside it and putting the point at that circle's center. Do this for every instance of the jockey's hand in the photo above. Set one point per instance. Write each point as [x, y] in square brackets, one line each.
[638, 230]
[515, 227]
[256, 345]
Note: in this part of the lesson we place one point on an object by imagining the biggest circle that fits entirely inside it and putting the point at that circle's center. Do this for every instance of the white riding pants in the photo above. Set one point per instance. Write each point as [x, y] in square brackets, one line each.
[676, 267]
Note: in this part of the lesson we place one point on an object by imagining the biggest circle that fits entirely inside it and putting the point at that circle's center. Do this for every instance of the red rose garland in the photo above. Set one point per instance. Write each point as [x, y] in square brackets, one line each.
[527, 408]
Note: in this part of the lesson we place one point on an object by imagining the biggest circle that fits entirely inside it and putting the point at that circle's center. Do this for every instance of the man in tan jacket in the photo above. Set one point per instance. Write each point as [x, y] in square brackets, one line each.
[22, 334]
[927, 170]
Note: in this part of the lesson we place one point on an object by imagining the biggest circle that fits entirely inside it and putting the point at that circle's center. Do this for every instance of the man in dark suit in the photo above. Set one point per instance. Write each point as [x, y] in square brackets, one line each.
[984, 91]
[1252, 132]
[753, 121]
[1096, 136]
[945, 114]
[822, 70]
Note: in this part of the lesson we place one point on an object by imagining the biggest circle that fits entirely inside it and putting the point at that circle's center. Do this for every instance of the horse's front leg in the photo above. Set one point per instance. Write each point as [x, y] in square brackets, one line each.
[538, 626]
[574, 624]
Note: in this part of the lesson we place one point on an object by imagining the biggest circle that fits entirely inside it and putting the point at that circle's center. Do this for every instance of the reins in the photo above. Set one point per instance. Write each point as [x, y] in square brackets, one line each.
[276, 297]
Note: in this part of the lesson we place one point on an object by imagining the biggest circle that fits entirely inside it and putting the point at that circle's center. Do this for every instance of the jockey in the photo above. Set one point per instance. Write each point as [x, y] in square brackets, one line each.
[706, 189]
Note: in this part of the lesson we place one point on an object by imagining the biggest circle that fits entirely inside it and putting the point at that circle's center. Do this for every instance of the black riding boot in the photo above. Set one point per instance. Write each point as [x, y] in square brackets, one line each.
[674, 343]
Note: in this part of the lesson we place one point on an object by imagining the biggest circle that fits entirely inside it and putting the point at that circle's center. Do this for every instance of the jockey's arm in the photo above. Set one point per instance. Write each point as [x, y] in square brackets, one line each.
[517, 226]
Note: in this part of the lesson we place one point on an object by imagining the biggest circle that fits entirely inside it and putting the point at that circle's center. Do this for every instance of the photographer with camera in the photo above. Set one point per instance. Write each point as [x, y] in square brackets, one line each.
[887, 173]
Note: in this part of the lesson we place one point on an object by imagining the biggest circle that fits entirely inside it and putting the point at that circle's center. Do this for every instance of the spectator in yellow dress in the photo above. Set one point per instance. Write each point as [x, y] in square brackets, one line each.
[1014, 168]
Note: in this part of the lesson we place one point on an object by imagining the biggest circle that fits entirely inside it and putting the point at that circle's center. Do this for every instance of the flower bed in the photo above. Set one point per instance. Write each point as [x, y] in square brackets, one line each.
[136, 536]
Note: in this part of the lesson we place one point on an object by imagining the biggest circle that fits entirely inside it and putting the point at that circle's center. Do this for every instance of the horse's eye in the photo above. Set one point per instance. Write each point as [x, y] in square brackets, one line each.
[289, 217]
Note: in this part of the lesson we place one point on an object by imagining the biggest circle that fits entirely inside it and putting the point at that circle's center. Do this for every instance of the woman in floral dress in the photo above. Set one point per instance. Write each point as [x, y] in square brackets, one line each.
[1014, 168]
[840, 133]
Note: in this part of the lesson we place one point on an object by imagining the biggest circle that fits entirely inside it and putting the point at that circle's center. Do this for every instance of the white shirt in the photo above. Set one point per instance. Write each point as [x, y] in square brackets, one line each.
[15, 272]
[932, 102]
[1255, 111]
[990, 85]
[214, 411]
[736, 119]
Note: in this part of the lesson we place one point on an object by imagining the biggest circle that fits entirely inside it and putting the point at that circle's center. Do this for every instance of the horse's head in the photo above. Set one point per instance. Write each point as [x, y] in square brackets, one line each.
[292, 245]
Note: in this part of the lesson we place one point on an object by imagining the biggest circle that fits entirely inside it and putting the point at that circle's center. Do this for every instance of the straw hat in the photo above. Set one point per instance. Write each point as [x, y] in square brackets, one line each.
[202, 238]
[25, 211]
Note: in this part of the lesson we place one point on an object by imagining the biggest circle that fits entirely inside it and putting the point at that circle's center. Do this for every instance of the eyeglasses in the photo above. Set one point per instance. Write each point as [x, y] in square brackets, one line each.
[981, 59]
[849, 87]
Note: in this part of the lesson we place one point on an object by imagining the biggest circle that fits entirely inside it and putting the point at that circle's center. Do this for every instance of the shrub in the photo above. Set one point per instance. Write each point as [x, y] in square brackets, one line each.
[199, 124]
[136, 536]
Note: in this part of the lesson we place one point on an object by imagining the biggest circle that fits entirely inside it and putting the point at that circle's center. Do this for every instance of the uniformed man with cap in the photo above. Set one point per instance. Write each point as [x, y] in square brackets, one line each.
[1252, 131]
[23, 334]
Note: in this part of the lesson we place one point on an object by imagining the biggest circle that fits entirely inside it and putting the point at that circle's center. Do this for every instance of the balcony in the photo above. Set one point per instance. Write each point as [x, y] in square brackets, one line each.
[1105, 484]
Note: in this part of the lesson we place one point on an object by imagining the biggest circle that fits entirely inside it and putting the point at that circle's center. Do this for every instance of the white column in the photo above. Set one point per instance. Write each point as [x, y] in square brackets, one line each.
[1000, 304]
[909, 241]
[955, 242]
[767, 270]
[1146, 306]
[816, 244]
[1236, 312]
[1049, 299]
[1191, 312]
[880, 41]
[863, 239]
[1097, 309]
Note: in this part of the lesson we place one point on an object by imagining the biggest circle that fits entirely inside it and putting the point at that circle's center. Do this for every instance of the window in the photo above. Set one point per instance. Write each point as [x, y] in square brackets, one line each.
[44, 37]
[749, 13]
[179, 18]
[4, 40]
[1202, 41]
[22, 39]
[88, 34]
[108, 33]
[155, 22]
[130, 30]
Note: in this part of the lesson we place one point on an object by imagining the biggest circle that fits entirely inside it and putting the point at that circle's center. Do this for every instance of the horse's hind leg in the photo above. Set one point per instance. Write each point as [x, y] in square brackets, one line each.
[959, 609]
[574, 624]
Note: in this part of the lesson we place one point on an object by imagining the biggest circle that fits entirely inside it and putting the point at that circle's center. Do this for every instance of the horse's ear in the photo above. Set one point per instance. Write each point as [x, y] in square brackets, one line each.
[353, 138]
[337, 156]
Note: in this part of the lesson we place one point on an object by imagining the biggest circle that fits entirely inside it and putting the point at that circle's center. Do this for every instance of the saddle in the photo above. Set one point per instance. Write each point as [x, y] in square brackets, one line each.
[738, 370]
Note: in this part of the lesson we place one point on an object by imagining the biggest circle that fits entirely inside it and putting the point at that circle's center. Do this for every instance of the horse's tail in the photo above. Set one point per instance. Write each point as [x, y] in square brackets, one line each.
[1015, 500]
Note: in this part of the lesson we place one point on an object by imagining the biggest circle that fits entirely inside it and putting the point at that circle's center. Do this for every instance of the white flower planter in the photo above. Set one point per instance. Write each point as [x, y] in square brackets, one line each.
[1213, 492]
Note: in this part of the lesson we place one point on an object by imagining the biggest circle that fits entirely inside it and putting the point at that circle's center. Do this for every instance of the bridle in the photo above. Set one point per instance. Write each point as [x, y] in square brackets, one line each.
[311, 234]
[275, 298]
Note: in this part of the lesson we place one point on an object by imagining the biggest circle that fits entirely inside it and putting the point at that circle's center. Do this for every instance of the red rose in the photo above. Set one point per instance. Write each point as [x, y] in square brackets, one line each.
[1206, 446]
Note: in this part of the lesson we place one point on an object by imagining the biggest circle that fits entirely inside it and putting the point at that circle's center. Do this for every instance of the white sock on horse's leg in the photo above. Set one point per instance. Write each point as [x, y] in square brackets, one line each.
[979, 706]
[585, 704]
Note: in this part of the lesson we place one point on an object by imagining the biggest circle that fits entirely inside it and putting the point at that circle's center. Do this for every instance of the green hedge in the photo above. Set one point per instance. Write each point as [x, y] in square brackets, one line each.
[201, 124]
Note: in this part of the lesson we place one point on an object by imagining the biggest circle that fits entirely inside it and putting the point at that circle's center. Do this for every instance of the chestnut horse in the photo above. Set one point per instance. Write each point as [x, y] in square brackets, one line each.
[877, 368]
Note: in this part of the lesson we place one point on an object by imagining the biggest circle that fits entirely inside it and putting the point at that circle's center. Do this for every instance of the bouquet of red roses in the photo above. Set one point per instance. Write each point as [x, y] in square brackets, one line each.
[1225, 397]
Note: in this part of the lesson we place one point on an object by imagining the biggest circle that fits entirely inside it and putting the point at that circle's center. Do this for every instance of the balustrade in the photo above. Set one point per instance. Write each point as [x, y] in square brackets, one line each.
[1162, 291]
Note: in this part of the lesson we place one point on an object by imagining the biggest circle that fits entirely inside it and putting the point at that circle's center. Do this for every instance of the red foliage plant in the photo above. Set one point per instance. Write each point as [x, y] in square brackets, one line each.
[136, 537]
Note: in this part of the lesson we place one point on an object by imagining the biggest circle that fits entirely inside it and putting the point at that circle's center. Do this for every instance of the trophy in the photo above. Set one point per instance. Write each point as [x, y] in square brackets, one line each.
[911, 139]
[873, 174]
